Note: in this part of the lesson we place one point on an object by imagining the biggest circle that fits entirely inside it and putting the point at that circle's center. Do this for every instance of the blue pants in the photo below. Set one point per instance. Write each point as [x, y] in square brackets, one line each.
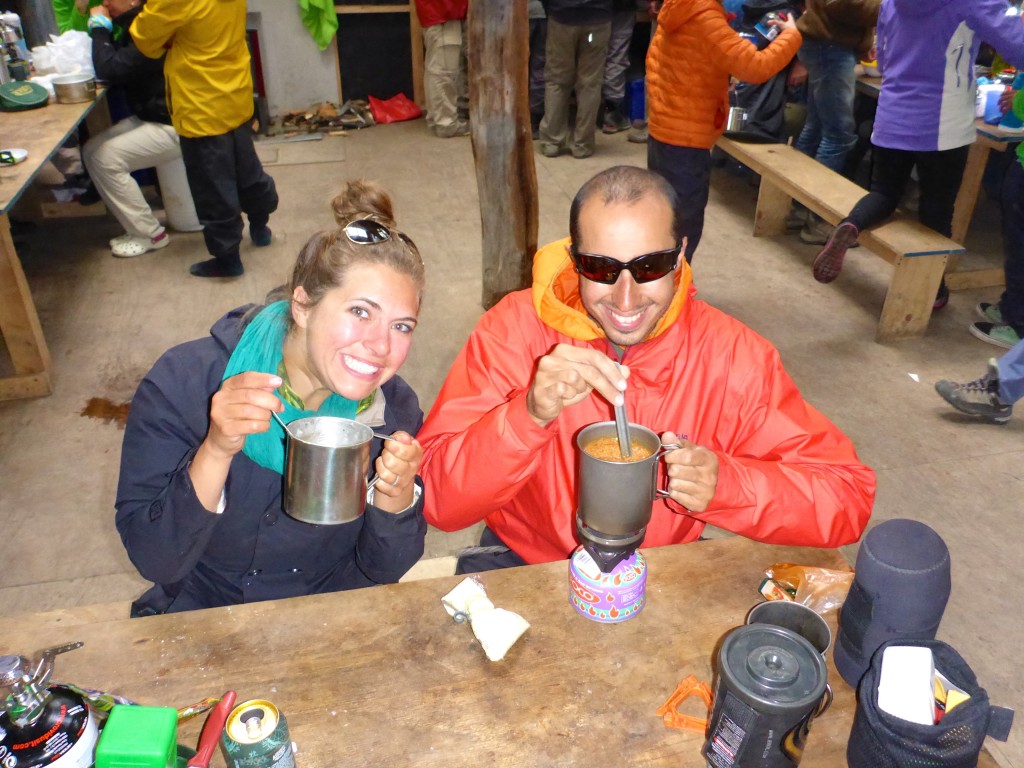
[829, 132]
[1011, 304]
[688, 170]
[1011, 374]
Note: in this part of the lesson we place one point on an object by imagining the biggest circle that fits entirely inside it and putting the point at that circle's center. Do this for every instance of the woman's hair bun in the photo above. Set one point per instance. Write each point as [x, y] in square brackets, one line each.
[362, 199]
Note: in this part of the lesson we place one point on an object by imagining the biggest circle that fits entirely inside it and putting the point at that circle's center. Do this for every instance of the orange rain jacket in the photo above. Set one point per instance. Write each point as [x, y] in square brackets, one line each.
[693, 52]
[786, 474]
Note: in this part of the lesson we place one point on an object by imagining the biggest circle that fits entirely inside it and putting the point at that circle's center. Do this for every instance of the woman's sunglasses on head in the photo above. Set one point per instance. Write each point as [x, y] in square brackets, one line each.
[644, 269]
[370, 232]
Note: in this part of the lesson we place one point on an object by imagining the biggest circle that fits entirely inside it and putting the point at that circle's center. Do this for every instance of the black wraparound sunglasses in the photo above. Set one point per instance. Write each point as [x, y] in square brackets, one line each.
[644, 269]
[370, 232]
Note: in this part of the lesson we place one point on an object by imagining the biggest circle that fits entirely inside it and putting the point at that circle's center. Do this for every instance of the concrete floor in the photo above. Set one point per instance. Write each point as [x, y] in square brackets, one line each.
[106, 320]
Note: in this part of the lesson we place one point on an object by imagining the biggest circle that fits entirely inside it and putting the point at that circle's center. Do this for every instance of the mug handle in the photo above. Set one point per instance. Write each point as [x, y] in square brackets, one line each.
[662, 493]
[825, 703]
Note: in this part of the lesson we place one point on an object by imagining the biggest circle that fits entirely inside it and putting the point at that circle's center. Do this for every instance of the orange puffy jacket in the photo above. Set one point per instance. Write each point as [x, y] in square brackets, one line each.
[693, 52]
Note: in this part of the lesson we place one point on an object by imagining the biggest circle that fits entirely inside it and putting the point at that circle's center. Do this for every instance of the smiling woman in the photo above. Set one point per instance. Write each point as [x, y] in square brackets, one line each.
[199, 505]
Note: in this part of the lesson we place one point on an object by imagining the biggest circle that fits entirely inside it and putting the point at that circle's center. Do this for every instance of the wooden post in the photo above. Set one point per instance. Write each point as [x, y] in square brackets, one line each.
[499, 113]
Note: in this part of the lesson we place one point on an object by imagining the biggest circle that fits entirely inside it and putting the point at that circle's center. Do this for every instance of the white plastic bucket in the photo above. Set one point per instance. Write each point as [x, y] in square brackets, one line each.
[177, 197]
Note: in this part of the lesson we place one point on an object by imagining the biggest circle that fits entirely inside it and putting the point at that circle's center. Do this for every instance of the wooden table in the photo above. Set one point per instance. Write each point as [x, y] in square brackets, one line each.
[383, 676]
[41, 132]
[989, 137]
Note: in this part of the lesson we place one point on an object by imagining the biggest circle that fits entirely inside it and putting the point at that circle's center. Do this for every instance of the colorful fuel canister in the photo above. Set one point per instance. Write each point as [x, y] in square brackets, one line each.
[256, 736]
[607, 597]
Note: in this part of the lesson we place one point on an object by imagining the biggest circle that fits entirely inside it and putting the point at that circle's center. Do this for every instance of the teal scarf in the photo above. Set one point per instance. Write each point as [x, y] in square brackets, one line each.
[260, 349]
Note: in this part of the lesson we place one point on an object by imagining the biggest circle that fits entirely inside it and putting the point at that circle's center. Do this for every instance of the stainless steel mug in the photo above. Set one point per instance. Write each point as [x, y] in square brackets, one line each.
[737, 119]
[615, 497]
[325, 474]
[796, 617]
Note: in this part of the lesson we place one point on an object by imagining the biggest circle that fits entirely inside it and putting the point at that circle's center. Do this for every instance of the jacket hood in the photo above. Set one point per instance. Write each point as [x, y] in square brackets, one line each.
[228, 330]
[919, 8]
[556, 295]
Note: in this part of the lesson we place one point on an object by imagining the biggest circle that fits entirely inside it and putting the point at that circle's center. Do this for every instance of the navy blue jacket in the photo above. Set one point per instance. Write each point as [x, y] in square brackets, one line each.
[253, 551]
[119, 62]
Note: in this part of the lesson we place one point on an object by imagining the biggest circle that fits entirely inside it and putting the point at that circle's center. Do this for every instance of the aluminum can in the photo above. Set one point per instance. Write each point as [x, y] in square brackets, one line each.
[771, 684]
[256, 736]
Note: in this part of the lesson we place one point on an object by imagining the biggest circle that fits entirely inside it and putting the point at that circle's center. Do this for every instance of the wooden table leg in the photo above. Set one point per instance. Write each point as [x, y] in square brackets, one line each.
[772, 209]
[909, 299]
[19, 325]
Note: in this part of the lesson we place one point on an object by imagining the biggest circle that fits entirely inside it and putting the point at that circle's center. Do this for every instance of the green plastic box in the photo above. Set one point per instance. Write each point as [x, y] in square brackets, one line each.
[139, 737]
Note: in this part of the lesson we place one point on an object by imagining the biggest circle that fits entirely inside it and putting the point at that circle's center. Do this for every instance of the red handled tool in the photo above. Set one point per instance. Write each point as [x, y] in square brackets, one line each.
[212, 729]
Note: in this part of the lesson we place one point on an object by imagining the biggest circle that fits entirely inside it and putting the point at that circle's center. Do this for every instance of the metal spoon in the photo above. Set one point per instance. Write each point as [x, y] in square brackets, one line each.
[622, 431]
[292, 434]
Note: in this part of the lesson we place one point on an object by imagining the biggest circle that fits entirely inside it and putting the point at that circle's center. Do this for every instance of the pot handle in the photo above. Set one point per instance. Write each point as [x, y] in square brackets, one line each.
[662, 493]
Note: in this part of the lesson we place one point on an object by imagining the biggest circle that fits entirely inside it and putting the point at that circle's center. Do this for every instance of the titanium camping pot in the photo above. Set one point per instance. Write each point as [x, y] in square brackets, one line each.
[771, 684]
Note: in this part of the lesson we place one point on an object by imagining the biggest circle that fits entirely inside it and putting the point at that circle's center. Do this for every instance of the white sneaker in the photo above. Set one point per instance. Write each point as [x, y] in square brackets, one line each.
[136, 245]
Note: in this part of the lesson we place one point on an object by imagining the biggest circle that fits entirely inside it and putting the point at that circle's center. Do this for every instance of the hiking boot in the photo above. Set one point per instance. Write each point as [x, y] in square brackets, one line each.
[1001, 335]
[990, 312]
[829, 263]
[217, 268]
[458, 128]
[815, 231]
[797, 219]
[260, 234]
[638, 132]
[614, 121]
[979, 397]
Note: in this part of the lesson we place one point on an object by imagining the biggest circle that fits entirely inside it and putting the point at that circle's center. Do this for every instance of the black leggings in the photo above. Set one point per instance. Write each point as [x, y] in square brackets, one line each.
[939, 173]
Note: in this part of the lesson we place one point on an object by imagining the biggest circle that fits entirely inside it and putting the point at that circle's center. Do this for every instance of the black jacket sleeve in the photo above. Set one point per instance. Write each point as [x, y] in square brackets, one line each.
[121, 65]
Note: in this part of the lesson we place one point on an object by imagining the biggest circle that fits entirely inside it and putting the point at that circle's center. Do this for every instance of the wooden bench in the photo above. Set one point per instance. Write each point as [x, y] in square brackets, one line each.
[917, 253]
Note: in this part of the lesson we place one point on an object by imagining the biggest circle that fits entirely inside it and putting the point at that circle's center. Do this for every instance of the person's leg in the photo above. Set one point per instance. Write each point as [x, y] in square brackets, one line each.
[441, 77]
[889, 175]
[112, 155]
[1011, 374]
[538, 40]
[688, 170]
[890, 172]
[210, 167]
[257, 193]
[591, 48]
[1011, 304]
[613, 89]
[940, 174]
[810, 136]
[559, 75]
[833, 102]
[491, 555]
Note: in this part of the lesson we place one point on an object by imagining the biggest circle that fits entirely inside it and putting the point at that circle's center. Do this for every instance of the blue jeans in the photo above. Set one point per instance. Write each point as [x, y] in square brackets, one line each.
[829, 132]
[1011, 304]
[1011, 374]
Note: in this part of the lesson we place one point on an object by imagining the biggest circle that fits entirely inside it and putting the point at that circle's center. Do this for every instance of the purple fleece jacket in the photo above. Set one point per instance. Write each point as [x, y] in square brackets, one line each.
[926, 51]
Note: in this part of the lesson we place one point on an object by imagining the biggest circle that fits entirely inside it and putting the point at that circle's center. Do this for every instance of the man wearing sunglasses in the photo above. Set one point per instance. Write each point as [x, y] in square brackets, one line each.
[612, 317]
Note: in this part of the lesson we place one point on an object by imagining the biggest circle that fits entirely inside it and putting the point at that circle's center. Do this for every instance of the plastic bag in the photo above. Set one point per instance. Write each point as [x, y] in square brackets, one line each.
[394, 110]
[821, 589]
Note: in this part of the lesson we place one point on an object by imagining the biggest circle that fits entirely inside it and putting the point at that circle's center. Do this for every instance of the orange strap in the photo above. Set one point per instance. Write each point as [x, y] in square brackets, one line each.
[669, 711]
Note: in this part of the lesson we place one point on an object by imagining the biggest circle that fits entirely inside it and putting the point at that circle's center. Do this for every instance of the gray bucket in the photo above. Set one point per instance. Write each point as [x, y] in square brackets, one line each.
[325, 474]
